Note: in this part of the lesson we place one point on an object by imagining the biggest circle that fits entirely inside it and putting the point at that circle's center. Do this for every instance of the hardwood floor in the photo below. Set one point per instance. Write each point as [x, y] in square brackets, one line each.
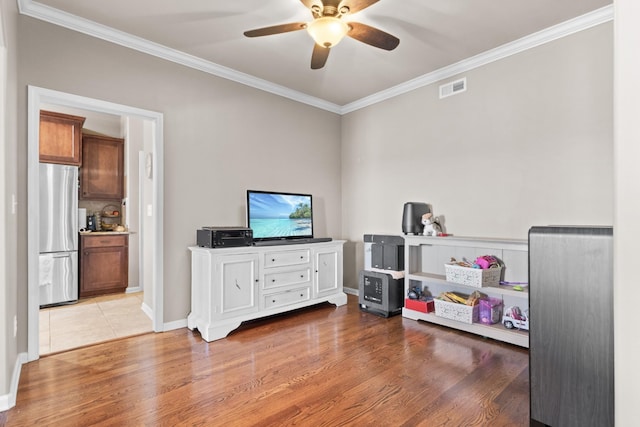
[320, 366]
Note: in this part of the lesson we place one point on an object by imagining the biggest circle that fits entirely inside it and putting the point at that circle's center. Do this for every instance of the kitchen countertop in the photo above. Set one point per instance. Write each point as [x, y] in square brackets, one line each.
[102, 233]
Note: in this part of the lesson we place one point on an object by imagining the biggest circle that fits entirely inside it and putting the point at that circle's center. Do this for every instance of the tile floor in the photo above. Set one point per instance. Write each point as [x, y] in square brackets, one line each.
[92, 320]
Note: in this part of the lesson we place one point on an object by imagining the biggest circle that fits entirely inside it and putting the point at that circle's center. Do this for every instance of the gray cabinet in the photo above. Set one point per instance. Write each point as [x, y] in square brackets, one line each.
[571, 343]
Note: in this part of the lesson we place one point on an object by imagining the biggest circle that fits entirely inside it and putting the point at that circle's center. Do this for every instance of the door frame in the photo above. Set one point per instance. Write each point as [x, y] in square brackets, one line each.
[36, 97]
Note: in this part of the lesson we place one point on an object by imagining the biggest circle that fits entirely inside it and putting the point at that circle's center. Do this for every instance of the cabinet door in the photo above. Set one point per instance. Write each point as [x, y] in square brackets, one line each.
[103, 270]
[238, 277]
[60, 138]
[328, 269]
[102, 172]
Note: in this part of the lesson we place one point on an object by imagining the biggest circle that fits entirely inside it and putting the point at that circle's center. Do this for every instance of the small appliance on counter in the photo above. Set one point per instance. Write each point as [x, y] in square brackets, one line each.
[82, 219]
[381, 283]
[91, 223]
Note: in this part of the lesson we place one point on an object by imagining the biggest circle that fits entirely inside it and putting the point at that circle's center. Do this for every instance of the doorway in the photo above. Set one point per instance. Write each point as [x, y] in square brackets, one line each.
[151, 233]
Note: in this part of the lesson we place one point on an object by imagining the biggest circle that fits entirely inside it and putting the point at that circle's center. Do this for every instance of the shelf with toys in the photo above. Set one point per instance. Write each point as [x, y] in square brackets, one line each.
[426, 276]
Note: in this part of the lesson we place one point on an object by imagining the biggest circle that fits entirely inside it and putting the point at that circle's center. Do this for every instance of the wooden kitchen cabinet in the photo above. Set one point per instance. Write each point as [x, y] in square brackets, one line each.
[102, 171]
[60, 138]
[104, 264]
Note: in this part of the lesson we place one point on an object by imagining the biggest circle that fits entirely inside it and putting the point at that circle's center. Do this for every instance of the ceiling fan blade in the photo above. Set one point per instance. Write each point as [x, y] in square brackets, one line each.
[357, 5]
[319, 56]
[372, 36]
[276, 29]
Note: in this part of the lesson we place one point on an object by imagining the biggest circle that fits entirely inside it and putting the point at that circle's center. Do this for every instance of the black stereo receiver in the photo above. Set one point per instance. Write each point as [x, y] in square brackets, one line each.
[224, 237]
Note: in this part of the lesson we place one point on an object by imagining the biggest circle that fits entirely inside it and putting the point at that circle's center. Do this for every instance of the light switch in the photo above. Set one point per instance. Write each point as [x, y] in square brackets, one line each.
[149, 210]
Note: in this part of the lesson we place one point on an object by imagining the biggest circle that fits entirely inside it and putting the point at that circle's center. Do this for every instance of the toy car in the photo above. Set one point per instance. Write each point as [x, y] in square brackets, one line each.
[513, 317]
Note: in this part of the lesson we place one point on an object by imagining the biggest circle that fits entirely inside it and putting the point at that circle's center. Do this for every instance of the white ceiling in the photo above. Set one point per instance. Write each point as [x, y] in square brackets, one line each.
[434, 35]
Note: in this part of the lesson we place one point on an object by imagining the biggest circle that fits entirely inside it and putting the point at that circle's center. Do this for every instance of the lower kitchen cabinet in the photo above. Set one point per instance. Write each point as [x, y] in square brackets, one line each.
[232, 285]
[104, 264]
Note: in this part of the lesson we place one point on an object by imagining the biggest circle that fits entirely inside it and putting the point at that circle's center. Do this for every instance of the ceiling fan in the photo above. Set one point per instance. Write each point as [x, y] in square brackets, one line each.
[328, 28]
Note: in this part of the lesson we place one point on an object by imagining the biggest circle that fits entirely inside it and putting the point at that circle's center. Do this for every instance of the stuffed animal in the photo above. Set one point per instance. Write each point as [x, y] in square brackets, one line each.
[431, 225]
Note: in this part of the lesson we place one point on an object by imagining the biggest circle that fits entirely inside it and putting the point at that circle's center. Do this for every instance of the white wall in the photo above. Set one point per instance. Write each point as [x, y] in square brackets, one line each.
[627, 211]
[529, 143]
[4, 320]
[10, 275]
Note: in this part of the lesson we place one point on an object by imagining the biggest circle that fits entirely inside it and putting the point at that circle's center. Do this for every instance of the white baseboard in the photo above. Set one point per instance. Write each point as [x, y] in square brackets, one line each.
[351, 291]
[176, 324]
[8, 401]
[133, 289]
[147, 310]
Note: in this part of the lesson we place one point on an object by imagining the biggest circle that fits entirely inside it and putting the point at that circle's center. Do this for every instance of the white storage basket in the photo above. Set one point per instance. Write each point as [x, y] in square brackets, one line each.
[474, 277]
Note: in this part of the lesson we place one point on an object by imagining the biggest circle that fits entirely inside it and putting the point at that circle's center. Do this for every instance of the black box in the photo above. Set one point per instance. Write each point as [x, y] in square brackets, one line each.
[224, 237]
[387, 252]
[380, 293]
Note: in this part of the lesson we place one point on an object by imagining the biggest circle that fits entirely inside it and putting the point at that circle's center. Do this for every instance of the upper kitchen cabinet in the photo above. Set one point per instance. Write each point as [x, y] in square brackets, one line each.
[60, 138]
[102, 172]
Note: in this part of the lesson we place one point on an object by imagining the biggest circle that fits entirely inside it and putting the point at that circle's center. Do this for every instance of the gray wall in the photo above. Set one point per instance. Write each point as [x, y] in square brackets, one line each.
[529, 143]
[220, 138]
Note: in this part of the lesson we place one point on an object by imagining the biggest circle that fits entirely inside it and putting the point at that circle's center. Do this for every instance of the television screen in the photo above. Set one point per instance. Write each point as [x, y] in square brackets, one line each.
[272, 215]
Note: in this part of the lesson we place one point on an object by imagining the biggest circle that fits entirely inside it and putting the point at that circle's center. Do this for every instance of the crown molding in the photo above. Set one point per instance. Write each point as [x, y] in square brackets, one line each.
[72, 22]
[94, 29]
[572, 26]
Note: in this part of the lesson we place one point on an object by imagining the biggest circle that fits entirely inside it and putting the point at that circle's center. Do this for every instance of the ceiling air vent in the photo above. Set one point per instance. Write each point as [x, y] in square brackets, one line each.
[453, 88]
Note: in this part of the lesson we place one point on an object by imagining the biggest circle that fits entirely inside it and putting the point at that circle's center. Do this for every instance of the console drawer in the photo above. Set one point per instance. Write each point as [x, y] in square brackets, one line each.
[287, 297]
[101, 241]
[284, 258]
[286, 278]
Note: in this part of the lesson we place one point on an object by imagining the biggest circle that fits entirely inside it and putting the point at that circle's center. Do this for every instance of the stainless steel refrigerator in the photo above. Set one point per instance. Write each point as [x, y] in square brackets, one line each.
[571, 365]
[58, 234]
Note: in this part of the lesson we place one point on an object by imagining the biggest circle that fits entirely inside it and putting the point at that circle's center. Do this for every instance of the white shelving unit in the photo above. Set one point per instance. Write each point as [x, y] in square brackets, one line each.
[425, 258]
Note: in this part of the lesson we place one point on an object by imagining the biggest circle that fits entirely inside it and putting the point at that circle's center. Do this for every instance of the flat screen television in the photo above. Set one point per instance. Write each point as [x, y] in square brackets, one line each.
[278, 216]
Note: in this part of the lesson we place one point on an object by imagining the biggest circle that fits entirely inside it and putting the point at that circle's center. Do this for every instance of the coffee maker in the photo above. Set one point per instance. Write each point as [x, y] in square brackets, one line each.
[91, 223]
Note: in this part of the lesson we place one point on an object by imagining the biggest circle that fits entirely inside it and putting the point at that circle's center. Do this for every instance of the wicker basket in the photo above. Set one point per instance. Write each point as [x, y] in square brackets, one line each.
[454, 311]
[474, 277]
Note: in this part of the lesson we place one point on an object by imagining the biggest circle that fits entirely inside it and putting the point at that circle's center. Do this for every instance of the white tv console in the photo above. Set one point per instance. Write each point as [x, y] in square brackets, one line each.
[424, 267]
[232, 285]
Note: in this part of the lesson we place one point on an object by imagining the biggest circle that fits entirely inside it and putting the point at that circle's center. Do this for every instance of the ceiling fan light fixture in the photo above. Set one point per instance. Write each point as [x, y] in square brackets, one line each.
[327, 31]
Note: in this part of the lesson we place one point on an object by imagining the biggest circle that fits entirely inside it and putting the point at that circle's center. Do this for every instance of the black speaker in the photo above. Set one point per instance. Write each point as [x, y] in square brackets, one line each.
[412, 217]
